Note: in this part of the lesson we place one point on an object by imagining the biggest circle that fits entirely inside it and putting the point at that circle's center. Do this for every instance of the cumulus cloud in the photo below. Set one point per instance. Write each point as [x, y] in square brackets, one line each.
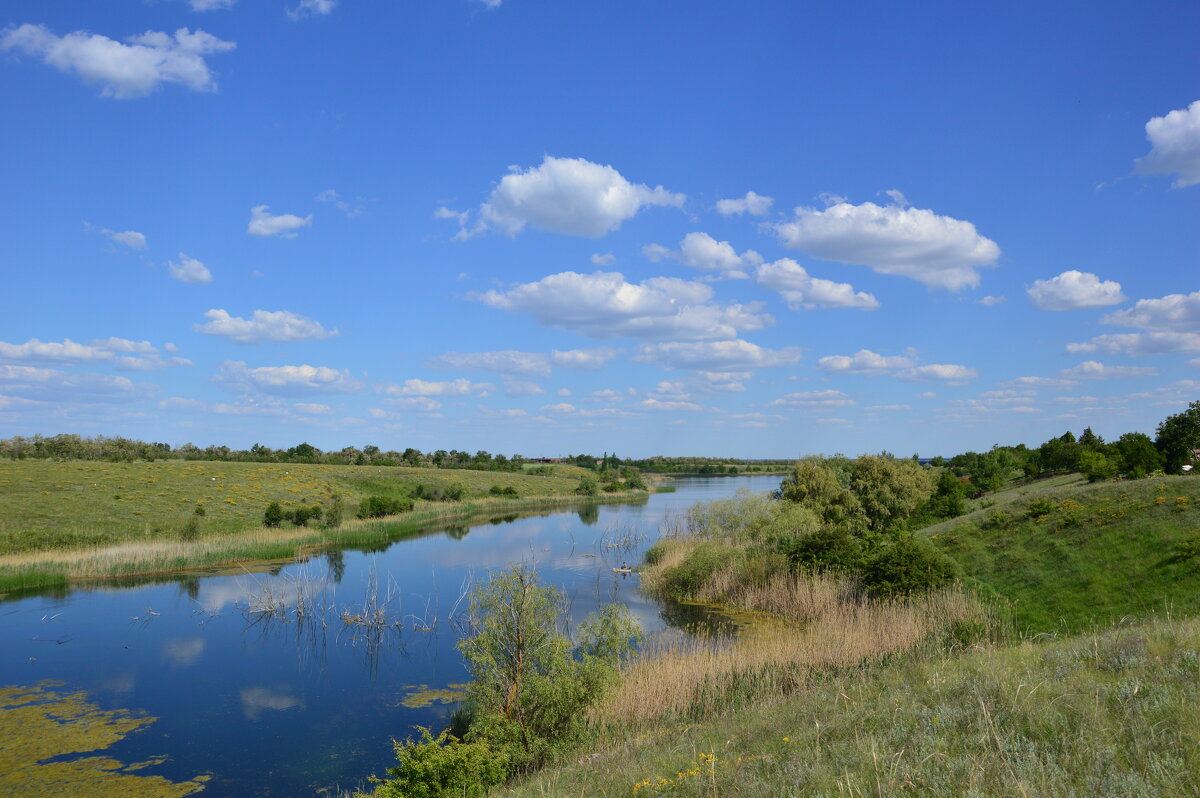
[1136, 344]
[801, 290]
[603, 259]
[864, 361]
[1171, 313]
[1174, 146]
[826, 398]
[189, 270]
[287, 380]
[604, 305]
[329, 195]
[715, 356]
[510, 361]
[937, 251]
[1074, 289]
[946, 372]
[263, 325]
[311, 8]
[122, 353]
[458, 387]
[1094, 370]
[516, 388]
[1039, 382]
[126, 238]
[567, 195]
[262, 223]
[753, 204]
[702, 251]
[989, 301]
[669, 406]
[55, 385]
[123, 71]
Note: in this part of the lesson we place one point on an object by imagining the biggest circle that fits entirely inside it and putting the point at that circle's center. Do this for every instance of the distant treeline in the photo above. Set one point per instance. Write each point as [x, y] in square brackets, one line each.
[681, 465]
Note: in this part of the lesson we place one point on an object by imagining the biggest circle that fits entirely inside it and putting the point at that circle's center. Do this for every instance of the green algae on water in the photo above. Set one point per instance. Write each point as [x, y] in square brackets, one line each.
[48, 722]
[422, 696]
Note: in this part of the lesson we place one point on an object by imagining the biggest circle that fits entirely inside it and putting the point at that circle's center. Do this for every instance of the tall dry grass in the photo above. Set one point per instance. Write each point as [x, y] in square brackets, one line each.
[816, 622]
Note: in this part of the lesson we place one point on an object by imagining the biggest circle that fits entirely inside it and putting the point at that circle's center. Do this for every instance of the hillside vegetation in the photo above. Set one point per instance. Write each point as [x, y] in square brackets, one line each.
[1070, 556]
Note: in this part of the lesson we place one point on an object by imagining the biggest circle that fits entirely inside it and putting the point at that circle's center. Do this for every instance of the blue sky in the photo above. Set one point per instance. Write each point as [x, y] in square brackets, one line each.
[758, 229]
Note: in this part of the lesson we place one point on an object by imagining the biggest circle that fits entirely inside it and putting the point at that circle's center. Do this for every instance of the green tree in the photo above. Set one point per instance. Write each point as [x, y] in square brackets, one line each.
[1136, 455]
[273, 516]
[1178, 437]
[587, 486]
[1096, 466]
[889, 490]
[813, 485]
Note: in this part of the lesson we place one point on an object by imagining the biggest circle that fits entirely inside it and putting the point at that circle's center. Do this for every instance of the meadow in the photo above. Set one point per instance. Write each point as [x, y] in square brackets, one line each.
[63, 521]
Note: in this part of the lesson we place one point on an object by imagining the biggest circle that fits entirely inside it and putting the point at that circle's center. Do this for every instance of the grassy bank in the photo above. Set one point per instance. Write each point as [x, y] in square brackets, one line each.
[1068, 556]
[65, 522]
[1109, 714]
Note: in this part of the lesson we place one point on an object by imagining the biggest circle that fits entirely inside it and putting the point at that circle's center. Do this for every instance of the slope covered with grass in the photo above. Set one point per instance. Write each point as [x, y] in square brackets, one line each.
[1068, 557]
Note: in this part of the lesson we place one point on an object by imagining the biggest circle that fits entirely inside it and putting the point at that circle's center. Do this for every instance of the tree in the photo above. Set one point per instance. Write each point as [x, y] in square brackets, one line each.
[813, 485]
[1136, 455]
[1178, 437]
[889, 490]
[1095, 466]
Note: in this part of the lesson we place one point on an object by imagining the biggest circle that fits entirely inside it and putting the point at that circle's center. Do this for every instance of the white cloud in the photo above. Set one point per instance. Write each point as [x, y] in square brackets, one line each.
[442, 212]
[605, 259]
[285, 380]
[864, 361]
[210, 5]
[1094, 370]
[329, 195]
[584, 359]
[947, 372]
[723, 381]
[888, 407]
[516, 388]
[937, 251]
[64, 387]
[1074, 289]
[801, 290]
[507, 361]
[123, 71]
[458, 387]
[604, 305]
[311, 8]
[715, 356]
[1174, 146]
[569, 195]
[1171, 313]
[1135, 344]
[423, 403]
[753, 204]
[607, 395]
[263, 223]
[702, 251]
[263, 325]
[126, 238]
[312, 409]
[1039, 382]
[989, 301]
[826, 398]
[120, 352]
[189, 270]
[667, 406]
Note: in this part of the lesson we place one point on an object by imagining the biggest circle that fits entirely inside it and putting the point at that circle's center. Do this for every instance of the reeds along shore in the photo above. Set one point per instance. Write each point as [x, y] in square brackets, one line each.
[52, 567]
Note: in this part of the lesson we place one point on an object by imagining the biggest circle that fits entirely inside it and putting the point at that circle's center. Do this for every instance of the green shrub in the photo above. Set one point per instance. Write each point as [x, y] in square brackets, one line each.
[1040, 508]
[455, 492]
[830, 548]
[508, 491]
[906, 566]
[654, 554]
[190, 530]
[687, 578]
[273, 516]
[996, 520]
[301, 515]
[379, 506]
[332, 519]
[443, 767]
[587, 486]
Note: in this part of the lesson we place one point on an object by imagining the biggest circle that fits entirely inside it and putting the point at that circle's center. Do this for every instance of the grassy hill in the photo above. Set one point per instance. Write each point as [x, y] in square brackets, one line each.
[47, 504]
[1065, 555]
[1110, 714]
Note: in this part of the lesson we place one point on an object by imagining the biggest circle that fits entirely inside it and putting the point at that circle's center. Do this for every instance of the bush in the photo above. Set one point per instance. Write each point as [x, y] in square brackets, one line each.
[587, 486]
[332, 519]
[273, 516]
[830, 548]
[1040, 508]
[455, 492]
[190, 530]
[687, 578]
[508, 490]
[443, 766]
[1096, 467]
[379, 506]
[301, 515]
[907, 566]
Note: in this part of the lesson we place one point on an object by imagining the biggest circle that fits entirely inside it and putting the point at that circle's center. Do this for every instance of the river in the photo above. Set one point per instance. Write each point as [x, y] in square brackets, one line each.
[273, 704]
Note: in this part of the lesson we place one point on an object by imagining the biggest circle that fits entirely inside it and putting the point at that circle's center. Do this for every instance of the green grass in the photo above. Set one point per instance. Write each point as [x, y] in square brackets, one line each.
[1111, 714]
[1067, 556]
[51, 505]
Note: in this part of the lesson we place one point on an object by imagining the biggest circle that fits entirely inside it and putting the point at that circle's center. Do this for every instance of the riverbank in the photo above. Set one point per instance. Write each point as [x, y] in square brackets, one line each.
[78, 521]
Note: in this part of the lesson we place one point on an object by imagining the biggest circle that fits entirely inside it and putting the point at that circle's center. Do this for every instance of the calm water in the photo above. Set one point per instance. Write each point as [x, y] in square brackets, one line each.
[279, 707]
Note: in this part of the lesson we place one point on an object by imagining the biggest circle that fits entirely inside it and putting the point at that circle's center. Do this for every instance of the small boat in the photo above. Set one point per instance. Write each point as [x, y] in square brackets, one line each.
[624, 570]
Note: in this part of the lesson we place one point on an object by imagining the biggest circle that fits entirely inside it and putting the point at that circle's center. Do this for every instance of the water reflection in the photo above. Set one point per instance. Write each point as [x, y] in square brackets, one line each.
[285, 676]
